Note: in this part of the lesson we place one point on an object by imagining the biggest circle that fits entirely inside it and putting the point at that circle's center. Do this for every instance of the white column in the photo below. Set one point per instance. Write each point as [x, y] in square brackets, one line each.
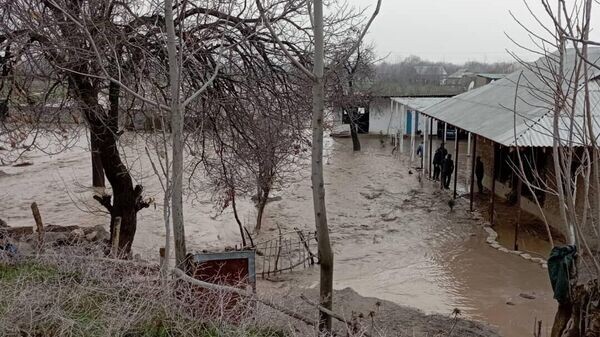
[455, 145]
[469, 145]
[413, 132]
[402, 127]
[391, 116]
[425, 143]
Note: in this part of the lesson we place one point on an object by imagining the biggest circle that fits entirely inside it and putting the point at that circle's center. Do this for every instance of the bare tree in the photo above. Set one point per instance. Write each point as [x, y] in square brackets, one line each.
[317, 76]
[67, 37]
[563, 82]
[351, 85]
[259, 137]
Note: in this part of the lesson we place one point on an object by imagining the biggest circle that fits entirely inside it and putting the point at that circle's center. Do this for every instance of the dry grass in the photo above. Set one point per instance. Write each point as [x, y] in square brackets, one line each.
[69, 296]
[63, 294]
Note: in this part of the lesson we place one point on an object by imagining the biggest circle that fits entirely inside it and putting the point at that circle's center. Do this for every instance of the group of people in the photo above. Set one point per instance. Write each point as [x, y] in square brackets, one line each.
[444, 165]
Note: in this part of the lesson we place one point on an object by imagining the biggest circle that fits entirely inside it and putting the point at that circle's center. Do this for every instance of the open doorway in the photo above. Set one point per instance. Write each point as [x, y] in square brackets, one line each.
[361, 119]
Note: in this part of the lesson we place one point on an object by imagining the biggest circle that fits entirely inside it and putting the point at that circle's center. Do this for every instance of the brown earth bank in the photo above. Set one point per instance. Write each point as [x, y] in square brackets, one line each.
[379, 317]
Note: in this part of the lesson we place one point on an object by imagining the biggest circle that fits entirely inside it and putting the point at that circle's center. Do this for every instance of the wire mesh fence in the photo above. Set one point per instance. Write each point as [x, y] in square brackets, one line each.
[287, 252]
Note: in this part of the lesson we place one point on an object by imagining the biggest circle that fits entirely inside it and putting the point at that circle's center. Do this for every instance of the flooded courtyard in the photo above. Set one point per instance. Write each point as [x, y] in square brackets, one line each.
[394, 237]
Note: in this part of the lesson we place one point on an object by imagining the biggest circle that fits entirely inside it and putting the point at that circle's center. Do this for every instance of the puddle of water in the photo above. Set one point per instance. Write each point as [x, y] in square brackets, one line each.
[531, 237]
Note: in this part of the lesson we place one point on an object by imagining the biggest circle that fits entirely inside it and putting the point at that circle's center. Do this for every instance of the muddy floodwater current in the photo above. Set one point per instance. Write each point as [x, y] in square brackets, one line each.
[394, 236]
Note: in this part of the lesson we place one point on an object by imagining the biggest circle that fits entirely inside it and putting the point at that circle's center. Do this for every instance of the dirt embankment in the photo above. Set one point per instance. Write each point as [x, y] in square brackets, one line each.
[378, 317]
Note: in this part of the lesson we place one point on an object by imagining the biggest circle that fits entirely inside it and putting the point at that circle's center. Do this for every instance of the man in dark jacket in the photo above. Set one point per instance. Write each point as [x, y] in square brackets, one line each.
[479, 173]
[447, 169]
[438, 158]
[421, 152]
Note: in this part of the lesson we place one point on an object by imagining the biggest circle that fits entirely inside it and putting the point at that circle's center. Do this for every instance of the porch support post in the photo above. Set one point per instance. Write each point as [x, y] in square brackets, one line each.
[519, 189]
[455, 159]
[473, 158]
[445, 132]
[425, 151]
[468, 144]
[430, 158]
[402, 128]
[391, 118]
[413, 132]
[493, 194]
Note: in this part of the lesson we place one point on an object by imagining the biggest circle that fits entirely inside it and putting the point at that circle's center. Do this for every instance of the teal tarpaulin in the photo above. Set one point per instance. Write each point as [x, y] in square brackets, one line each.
[559, 264]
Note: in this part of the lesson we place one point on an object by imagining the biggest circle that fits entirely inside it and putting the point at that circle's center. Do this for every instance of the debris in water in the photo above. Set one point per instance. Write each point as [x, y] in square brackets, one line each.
[371, 196]
[451, 204]
[527, 296]
[24, 163]
[510, 303]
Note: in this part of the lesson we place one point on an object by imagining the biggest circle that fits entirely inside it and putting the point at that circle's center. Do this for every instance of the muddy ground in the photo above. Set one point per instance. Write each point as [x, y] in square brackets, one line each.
[394, 237]
[375, 316]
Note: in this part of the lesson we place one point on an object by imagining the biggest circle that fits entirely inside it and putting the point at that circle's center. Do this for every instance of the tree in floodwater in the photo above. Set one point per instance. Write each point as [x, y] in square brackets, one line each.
[62, 40]
[317, 76]
[229, 85]
[351, 85]
[259, 138]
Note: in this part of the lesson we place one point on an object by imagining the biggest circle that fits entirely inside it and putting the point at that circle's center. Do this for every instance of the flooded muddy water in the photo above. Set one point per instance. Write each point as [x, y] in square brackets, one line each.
[394, 237]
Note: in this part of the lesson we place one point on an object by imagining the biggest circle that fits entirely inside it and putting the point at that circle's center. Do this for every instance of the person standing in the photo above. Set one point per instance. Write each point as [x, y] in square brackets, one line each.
[447, 169]
[420, 150]
[479, 173]
[438, 158]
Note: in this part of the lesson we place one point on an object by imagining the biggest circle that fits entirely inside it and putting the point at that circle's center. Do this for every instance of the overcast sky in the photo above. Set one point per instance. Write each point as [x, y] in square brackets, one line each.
[454, 30]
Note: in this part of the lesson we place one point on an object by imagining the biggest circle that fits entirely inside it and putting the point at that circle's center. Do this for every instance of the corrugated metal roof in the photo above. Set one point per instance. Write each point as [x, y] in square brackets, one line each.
[418, 103]
[489, 111]
[492, 76]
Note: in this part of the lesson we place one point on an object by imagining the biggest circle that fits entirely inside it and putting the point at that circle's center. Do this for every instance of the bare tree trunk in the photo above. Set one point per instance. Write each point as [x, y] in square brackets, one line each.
[126, 199]
[354, 130]
[262, 202]
[177, 136]
[595, 209]
[556, 156]
[237, 219]
[318, 185]
[97, 168]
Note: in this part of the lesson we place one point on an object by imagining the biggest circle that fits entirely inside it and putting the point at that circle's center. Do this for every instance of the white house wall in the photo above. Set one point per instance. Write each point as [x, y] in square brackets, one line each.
[381, 118]
[384, 121]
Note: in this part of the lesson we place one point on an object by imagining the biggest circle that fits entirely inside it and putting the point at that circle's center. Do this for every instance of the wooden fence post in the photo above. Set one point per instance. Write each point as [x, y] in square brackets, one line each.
[39, 224]
[115, 237]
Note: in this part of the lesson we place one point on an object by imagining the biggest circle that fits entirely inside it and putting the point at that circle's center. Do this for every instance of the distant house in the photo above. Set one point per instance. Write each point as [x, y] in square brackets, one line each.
[465, 80]
[431, 74]
[486, 78]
